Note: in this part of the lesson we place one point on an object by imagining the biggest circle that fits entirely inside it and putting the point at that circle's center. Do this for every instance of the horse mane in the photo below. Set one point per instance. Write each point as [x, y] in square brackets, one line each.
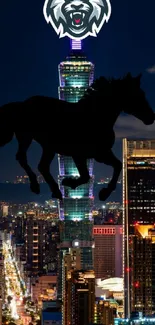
[106, 86]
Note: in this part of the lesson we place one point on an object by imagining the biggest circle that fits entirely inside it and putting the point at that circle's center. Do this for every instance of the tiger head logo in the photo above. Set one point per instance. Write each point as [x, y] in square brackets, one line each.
[77, 19]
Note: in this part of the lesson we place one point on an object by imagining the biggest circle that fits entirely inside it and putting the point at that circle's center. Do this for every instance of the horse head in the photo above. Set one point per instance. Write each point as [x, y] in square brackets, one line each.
[136, 103]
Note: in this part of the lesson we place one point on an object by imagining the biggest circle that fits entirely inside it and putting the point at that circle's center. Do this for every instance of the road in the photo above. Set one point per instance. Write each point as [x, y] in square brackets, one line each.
[13, 285]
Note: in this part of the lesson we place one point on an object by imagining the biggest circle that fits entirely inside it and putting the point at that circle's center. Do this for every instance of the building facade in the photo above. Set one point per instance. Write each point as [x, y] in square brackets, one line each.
[108, 251]
[143, 270]
[35, 244]
[80, 295]
[138, 209]
[105, 311]
[76, 74]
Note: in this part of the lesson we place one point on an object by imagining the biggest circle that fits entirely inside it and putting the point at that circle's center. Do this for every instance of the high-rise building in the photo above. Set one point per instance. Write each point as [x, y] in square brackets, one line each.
[76, 74]
[105, 311]
[51, 242]
[70, 263]
[138, 209]
[143, 270]
[108, 251]
[35, 244]
[75, 211]
[78, 290]
[80, 295]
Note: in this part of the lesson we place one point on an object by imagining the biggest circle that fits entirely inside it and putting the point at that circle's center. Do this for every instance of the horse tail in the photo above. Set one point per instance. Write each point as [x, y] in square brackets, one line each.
[7, 133]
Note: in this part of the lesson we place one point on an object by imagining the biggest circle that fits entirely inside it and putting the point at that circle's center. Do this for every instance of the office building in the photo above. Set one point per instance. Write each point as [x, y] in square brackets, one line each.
[138, 209]
[108, 251]
[35, 244]
[80, 297]
[105, 311]
[143, 270]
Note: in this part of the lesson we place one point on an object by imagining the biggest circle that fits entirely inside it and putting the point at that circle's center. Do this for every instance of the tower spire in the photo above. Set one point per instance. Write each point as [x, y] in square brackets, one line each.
[76, 44]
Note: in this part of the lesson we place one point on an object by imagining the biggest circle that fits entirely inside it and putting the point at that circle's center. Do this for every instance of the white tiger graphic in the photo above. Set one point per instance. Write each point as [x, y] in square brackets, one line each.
[77, 19]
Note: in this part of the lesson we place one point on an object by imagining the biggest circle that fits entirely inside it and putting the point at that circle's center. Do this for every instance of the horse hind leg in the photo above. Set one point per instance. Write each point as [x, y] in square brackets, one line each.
[81, 165]
[44, 169]
[22, 159]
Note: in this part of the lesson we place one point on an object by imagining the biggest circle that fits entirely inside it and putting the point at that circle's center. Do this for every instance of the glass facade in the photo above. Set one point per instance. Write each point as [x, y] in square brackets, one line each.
[75, 76]
[77, 204]
[138, 217]
[75, 210]
[80, 232]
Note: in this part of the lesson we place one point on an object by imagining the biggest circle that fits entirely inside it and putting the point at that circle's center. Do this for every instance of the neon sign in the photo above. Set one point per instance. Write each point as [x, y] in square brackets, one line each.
[77, 19]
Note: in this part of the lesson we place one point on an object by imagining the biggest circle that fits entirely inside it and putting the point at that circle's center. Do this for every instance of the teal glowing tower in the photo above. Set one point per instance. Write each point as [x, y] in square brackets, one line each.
[76, 74]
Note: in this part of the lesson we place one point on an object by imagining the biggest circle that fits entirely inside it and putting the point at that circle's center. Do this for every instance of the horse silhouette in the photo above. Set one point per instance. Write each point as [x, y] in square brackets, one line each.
[81, 130]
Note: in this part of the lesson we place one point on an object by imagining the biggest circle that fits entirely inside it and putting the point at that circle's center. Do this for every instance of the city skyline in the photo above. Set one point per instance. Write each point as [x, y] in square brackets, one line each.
[78, 260]
[32, 66]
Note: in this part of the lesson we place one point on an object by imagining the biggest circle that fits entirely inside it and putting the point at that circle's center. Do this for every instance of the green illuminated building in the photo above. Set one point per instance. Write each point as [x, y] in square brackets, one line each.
[76, 74]
[75, 211]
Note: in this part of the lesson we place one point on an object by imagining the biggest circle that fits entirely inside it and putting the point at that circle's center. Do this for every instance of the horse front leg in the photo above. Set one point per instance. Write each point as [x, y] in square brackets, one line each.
[44, 168]
[111, 160]
[81, 165]
[21, 157]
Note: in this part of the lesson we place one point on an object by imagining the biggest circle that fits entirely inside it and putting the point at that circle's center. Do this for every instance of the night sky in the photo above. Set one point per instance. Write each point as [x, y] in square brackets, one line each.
[30, 52]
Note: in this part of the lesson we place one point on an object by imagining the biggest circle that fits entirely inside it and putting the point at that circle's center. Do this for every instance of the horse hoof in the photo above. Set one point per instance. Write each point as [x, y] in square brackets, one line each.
[70, 182]
[67, 182]
[35, 188]
[104, 194]
[57, 195]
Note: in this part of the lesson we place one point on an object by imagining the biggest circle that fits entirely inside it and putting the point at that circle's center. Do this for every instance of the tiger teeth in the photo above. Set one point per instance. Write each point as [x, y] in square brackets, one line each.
[76, 13]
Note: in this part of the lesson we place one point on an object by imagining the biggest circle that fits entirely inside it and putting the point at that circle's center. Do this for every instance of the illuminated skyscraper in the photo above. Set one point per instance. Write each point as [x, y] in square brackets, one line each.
[80, 297]
[76, 74]
[34, 244]
[143, 270]
[75, 211]
[138, 209]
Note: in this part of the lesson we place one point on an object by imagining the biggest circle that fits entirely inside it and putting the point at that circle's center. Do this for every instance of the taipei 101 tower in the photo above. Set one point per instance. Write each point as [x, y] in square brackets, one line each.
[76, 19]
[76, 74]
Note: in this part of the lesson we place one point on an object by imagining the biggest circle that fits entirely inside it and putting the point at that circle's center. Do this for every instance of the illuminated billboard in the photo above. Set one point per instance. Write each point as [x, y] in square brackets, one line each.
[77, 19]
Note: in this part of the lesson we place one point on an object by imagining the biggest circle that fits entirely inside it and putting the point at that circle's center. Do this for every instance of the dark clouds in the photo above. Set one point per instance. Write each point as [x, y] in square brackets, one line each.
[151, 69]
[129, 126]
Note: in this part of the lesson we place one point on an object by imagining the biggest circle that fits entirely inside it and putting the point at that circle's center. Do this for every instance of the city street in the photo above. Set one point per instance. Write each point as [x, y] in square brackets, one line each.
[14, 290]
